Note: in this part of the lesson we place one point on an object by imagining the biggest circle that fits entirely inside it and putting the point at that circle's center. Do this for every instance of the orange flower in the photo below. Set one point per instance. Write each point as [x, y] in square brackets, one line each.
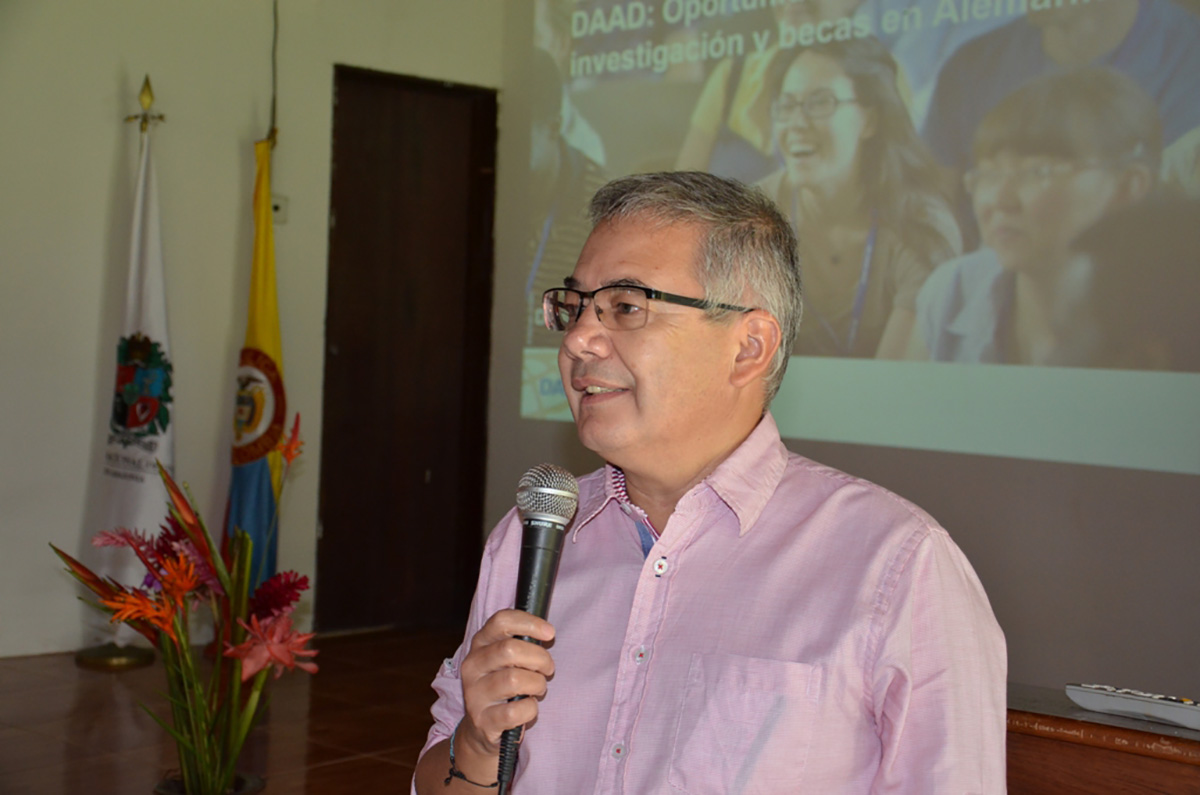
[105, 589]
[179, 577]
[290, 446]
[136, 606]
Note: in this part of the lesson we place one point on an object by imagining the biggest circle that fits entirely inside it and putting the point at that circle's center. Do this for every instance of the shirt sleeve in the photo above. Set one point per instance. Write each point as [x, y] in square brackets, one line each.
[938, 683]
[448, 710]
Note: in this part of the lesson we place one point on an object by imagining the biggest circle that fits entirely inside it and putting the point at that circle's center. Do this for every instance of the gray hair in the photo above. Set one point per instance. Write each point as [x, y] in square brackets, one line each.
[748, 255]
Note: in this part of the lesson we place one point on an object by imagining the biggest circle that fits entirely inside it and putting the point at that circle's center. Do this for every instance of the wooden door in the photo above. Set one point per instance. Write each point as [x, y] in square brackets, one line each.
[407, 346]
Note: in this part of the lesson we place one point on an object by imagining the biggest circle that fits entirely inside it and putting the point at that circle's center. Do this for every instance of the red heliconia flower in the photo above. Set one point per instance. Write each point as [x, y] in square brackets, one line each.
[105, 589]
[101, 587]
[272, 642]
[278, 595]
[186, 516]
[178, 500]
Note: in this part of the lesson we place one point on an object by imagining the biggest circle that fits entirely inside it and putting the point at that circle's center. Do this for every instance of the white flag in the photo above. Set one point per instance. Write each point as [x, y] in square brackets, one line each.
[141, 425]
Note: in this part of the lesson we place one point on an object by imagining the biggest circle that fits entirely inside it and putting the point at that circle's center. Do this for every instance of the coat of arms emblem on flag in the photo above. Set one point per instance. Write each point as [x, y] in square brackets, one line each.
[142, 402]
[259, 412]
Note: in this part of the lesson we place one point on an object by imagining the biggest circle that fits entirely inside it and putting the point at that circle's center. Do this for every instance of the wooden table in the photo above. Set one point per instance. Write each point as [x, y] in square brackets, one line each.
[1057, 747]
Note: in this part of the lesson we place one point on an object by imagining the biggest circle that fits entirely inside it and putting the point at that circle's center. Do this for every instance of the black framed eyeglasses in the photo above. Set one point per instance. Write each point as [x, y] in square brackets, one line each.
[820, 104]
[620, 307]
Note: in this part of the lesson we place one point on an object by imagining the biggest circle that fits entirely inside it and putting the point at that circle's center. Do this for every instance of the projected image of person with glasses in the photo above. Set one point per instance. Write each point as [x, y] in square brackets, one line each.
[729, 132]
[867, 200]
[1053, 158]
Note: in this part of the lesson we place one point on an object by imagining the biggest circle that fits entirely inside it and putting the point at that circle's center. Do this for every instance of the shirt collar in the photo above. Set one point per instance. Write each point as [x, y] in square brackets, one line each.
[744, 481]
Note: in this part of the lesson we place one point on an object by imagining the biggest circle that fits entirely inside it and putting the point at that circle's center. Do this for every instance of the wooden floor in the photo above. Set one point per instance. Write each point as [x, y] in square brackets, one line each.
[354, 727]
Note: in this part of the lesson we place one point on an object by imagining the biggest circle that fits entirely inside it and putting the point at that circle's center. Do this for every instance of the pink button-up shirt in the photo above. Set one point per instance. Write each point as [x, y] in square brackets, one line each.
[793, 629]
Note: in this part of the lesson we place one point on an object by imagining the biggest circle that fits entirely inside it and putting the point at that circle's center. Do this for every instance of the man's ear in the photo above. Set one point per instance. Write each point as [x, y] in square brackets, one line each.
[759, 337]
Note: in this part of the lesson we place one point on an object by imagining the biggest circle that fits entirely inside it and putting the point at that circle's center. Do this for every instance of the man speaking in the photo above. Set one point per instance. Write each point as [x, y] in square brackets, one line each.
[729, 617]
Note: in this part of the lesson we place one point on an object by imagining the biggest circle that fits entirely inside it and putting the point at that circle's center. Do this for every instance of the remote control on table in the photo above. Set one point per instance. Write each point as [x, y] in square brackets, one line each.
[1177, 711]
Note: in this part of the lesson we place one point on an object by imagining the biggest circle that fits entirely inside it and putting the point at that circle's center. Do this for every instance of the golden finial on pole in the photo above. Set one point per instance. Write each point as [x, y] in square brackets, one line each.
[146, 99]
[146, 95]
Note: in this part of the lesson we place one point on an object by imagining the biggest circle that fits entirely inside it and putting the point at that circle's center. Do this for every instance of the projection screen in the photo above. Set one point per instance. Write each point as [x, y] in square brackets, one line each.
[996, 203]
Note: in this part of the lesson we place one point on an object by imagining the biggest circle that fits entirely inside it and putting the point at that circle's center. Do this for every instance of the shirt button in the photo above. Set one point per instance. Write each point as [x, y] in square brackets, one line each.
[625, 507]
[640, 655]
[618, 751]
[660, 567]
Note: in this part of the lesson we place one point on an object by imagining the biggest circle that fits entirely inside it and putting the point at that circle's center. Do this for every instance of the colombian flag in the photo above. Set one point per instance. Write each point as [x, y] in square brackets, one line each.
[261, 404]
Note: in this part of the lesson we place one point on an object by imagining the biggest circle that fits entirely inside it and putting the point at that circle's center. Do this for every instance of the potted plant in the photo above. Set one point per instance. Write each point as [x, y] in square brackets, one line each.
[214, 705]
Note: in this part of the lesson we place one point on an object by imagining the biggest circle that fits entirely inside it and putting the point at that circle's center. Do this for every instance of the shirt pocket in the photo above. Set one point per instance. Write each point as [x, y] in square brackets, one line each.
[744, 725]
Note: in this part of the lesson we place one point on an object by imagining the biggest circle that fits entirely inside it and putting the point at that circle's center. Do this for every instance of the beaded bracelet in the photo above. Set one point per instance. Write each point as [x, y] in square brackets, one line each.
[456, 773]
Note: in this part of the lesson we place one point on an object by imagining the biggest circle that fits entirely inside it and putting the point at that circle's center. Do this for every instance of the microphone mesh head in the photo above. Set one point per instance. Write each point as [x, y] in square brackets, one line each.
[548, 490]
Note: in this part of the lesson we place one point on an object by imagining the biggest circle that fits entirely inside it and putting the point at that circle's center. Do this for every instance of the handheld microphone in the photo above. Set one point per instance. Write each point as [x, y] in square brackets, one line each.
[547, 497]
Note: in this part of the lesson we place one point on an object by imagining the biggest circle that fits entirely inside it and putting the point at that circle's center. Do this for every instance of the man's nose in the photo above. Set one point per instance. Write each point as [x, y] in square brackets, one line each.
[587, 335]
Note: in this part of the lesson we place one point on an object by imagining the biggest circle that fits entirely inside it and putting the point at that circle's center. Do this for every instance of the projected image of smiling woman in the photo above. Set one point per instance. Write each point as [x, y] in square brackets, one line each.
[865, 196]
[1052, 159]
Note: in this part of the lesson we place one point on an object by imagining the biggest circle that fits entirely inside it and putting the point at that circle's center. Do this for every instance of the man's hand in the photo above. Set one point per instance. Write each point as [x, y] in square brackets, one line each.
[499, 667]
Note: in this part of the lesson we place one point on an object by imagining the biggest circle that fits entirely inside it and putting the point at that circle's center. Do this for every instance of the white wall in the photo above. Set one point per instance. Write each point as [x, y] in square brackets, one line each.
[69, 72]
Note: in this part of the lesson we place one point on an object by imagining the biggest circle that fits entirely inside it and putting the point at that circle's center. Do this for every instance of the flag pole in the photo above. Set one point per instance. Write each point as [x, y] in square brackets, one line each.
[110, 656]
[272, 131]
